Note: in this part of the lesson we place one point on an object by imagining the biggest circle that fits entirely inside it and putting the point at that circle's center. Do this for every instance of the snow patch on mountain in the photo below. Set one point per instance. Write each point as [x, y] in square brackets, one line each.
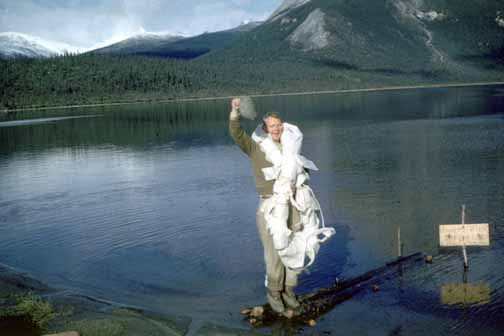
[287, 20]
[411, 8]
[285, 7]
[15, 45]
[22, 45]
[246, 26]
[311, 34]
[499, 20]
[430, 16]
[142, 35]
[151, 37]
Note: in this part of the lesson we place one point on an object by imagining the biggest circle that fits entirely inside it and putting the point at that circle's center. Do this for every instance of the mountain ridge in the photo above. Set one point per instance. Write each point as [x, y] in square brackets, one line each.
[177, 46]
[394, 35]
[13, 44]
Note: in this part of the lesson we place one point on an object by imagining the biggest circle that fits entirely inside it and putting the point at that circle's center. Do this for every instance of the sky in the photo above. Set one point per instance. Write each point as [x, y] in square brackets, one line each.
[91, 23]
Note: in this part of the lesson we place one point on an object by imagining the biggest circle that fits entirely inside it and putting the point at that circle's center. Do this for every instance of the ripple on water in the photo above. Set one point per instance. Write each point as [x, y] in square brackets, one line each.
[172, 223]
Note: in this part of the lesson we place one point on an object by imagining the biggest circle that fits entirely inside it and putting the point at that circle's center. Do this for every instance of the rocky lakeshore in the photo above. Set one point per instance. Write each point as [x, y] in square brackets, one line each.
[24, 302]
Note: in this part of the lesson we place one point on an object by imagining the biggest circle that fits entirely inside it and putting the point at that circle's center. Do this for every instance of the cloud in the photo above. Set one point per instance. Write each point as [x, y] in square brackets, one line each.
[227, 17]
[89, 23]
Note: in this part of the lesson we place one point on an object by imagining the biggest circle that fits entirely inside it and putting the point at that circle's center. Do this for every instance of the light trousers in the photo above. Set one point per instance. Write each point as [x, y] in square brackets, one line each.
[278, 276]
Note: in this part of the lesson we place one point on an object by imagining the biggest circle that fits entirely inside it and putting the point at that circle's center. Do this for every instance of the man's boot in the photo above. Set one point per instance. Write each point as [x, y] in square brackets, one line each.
[289, 298]
[275, 301]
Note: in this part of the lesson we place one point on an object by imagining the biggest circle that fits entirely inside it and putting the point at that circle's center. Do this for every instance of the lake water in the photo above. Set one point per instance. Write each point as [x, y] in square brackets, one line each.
[154, 206]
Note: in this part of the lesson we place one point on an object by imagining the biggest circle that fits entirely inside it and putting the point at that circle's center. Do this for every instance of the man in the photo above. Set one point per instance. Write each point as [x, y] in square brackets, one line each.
[280, 279]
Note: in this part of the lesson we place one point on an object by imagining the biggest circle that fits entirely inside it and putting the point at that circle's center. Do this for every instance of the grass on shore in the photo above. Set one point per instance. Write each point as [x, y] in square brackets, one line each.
[28, 307]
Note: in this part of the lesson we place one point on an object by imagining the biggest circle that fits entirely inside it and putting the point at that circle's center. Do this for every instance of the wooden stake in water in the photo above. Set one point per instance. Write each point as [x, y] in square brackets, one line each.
[399, 244]
[466, 263]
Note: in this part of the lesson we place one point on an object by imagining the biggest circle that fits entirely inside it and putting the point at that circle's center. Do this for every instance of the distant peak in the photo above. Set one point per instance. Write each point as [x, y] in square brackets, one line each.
[285, 7]
[14, 40]
[247, 25]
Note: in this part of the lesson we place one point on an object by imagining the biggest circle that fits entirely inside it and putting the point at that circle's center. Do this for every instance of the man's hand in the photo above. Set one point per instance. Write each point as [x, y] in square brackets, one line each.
[235, 109]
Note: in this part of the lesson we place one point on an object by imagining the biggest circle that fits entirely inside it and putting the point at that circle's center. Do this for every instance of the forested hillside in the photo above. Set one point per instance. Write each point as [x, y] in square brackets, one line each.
[94, 79]
[87, 79]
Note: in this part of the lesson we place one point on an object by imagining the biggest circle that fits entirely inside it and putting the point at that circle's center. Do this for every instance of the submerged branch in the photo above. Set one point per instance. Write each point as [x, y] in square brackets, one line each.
[319, 302]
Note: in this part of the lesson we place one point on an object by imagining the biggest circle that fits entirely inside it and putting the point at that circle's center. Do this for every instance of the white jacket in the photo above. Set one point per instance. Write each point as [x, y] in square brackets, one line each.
[297, 250]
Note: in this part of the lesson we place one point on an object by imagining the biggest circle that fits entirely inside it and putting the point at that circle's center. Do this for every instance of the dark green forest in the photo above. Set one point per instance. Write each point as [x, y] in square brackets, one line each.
[89, 79]
[100, 79]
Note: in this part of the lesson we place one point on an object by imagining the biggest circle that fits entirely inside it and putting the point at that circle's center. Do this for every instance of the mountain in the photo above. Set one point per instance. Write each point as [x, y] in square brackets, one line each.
[285, 7]
[424, 39]
[246, 26]
[138, 45]
[176, 46]
[13, 45]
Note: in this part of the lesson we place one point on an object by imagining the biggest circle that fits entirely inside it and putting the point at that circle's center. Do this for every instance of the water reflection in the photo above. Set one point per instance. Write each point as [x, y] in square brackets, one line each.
[153, 205]
[389, 105]
[398, 173]
[465, 294]
[25, 122]
[134, 126]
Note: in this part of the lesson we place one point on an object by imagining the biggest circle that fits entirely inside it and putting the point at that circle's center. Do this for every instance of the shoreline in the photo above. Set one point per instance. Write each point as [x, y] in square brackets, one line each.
[77, 311]
[305, 93]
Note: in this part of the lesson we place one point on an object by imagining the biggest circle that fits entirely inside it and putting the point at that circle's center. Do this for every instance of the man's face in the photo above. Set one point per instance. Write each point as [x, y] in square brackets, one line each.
[274, 127]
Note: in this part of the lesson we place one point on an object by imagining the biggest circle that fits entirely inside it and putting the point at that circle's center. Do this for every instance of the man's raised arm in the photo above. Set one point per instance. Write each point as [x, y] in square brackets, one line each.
[240, 137]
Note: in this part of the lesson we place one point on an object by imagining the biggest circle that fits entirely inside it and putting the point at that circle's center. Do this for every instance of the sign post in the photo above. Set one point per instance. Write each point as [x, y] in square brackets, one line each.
[463, 235]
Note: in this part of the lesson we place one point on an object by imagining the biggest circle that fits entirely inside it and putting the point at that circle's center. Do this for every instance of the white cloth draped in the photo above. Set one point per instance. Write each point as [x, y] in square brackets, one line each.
[297, 250]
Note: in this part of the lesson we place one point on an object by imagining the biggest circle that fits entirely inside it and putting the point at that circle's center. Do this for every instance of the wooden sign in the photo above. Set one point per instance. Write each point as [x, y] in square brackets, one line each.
[465, 293]
[464, 235]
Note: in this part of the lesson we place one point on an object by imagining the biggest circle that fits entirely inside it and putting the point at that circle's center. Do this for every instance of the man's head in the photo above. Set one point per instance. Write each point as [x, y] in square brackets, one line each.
[272, 124]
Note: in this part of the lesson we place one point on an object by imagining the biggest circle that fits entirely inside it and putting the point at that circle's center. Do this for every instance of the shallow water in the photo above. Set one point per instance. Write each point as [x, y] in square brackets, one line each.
[154, 206]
